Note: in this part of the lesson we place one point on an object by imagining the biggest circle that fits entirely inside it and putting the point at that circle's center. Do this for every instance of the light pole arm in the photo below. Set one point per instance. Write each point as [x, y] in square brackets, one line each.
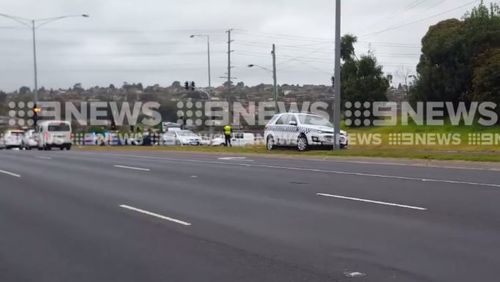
[260, 67]
[33, 24]
[42, 22]
[23, 21]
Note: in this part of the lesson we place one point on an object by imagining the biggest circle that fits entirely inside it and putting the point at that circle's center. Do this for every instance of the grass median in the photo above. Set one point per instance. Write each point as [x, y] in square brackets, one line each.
[478, 154]
[442, 149]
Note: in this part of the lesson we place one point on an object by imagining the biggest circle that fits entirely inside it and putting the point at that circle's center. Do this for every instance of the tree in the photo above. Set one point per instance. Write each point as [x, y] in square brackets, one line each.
[453, 57]
[176, 85]
[347, 47]
[486, 78]
[362, 79]
[24, 90]
[3, 97]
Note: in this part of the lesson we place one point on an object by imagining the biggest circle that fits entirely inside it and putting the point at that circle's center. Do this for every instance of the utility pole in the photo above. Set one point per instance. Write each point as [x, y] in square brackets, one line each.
[337, 86]
[275, 82]
[229, 57]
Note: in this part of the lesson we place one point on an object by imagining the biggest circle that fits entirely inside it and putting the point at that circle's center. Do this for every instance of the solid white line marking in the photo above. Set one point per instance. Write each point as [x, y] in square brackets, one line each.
[10, 173]
[232, 158]
[44, 158]
[242, 159]
[156, 215]
[372, 202]
[132, 168]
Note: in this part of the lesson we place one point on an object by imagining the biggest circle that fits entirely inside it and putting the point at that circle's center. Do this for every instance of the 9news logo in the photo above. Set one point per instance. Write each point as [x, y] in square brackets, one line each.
[21, 113]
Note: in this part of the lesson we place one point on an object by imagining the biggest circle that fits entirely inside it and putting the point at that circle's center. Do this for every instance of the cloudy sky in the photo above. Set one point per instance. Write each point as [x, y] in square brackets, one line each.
[149, 41]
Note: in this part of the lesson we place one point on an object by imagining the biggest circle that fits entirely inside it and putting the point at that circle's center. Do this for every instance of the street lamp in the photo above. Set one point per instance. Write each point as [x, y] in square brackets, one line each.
[260, 67]
[275, 90]
[208, 51]
[34, 24]
[275, 81]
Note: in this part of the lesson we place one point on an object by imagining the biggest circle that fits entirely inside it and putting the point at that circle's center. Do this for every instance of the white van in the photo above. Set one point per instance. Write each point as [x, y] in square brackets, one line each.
[54, 133]
[238, 139]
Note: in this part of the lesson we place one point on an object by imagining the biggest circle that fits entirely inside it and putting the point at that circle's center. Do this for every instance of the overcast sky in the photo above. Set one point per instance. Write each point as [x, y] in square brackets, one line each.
[148, 41]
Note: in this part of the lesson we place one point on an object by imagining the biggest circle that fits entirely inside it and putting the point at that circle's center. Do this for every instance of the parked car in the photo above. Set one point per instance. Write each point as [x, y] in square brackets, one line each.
[206, 141]
[181, 137]
[29, 141]
[238, 139]
[11, 138]
[302, 131]
[52, 134]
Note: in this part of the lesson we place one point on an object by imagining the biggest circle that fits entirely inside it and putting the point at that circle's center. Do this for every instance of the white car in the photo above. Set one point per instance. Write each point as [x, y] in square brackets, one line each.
[302, 131]
[29, 141]
[12, 139]
[238, 139]
[181, 137]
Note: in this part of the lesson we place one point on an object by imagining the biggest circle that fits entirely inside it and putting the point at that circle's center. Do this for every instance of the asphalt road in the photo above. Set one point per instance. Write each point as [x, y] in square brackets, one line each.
[99, 216]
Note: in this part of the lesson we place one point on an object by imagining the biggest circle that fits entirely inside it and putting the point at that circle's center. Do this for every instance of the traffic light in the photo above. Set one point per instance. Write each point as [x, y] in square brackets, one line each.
[193, 86]
[36, 110]
[186, 85]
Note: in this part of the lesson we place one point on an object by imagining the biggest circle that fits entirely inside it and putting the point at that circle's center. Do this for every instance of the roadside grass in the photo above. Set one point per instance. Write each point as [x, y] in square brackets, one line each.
[458, 152]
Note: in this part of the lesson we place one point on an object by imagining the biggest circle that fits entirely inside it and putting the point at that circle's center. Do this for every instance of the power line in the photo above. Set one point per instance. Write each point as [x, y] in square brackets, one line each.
[421, 20]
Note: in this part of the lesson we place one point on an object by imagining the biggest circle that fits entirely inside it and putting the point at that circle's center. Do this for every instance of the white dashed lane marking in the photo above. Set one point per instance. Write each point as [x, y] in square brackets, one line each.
[10, 173]
[155, 215]
[372, 201]
[132, 168]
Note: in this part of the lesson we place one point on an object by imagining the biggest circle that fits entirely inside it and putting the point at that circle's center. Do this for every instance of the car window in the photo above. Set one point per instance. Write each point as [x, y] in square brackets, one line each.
[61, 127]
[314, 120]
[272, 121]
[284, 120]
[280, 121]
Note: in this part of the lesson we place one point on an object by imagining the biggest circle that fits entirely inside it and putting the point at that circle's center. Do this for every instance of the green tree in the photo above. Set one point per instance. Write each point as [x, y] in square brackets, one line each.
[362, 79]
[486, 78]
[454, 52]
[347, 51]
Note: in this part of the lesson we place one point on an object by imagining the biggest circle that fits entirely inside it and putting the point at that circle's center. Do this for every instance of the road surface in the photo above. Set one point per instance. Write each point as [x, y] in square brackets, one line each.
[135, 216]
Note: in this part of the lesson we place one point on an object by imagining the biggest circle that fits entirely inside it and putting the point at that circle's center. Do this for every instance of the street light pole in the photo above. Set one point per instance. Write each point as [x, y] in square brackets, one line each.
[33, 24]
[275, 82]
[337, 90]
[209, 71]
[35, 67]
[208, 52]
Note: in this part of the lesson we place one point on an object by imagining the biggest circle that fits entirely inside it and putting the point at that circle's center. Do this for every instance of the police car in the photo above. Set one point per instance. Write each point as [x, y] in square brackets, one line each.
[301, 130]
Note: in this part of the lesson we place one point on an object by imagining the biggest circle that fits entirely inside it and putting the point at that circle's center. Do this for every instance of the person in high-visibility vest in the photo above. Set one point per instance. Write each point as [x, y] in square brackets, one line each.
[228, 130]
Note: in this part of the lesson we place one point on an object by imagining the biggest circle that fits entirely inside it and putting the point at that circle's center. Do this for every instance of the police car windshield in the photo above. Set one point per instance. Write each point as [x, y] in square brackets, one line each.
[314, 120]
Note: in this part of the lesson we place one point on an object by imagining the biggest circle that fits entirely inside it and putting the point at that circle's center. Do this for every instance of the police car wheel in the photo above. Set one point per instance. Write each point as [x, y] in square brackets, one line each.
[302, 143]
[270, 143]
